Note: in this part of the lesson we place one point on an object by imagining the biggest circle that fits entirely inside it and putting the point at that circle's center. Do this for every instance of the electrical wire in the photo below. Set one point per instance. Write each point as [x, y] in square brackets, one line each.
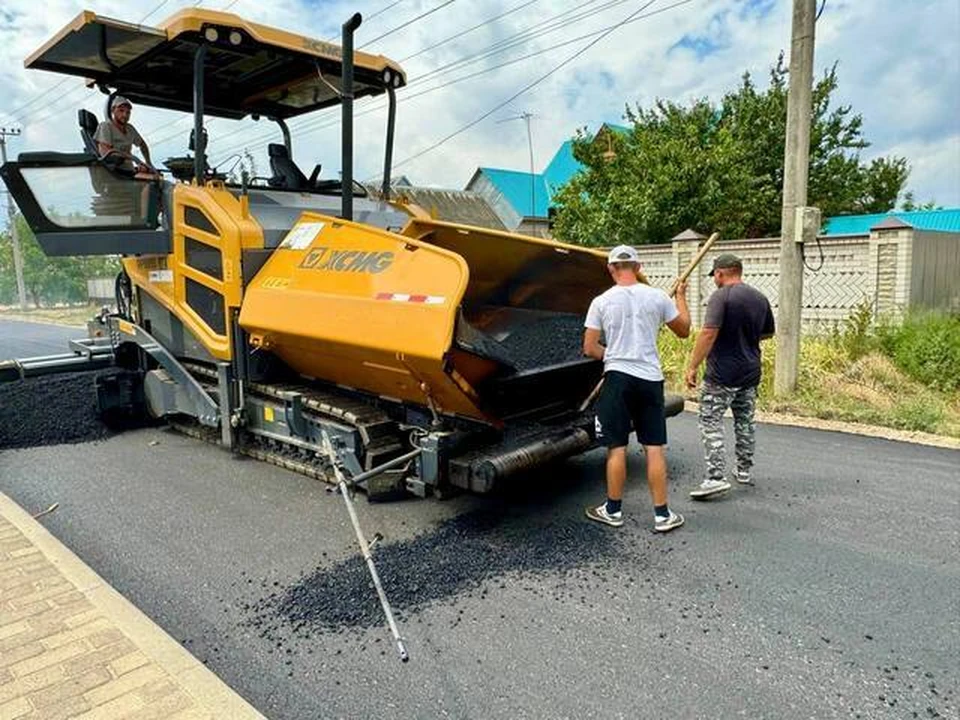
[525, 89]
[467, 31]
[409, 22]
[331, 122]
[823, 4]
[521, 37]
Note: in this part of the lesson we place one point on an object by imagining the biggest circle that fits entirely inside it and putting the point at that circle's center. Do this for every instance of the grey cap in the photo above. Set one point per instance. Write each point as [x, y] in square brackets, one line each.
[119, 100]
[725, 261]
[623, 253]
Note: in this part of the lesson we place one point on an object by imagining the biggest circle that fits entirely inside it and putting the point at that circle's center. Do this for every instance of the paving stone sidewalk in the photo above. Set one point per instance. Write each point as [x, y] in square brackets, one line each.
[72, 646]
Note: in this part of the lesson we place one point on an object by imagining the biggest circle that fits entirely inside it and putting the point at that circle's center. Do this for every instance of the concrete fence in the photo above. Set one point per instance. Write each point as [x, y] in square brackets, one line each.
[892, 269]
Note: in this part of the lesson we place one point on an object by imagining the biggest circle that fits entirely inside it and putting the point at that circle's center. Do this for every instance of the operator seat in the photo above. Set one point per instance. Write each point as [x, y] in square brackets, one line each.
[88, 128]
[286, 174]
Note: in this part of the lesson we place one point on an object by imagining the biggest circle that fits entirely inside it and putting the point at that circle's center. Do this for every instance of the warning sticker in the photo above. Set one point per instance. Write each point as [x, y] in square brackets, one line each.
[161, 276]
[302, 235]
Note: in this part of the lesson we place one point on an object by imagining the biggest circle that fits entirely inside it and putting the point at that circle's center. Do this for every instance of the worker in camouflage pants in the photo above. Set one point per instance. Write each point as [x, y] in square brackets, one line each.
[738, 317]
[714, 401]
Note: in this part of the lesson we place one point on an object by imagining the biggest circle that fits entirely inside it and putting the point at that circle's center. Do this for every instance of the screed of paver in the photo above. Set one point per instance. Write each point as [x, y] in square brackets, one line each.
[71, 646]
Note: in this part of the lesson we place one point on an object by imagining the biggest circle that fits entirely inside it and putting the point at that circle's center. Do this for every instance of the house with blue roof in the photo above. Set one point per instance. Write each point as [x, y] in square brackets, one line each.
[522, 199]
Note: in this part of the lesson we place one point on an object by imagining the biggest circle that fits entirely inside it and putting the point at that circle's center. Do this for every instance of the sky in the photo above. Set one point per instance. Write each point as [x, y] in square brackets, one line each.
[898, 65]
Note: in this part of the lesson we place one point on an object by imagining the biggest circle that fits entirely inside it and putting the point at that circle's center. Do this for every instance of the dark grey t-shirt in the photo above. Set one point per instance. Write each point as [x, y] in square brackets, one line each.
[742, 315]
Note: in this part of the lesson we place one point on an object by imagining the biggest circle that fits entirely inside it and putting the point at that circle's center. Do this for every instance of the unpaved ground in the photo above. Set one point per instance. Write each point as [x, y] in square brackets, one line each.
[911, 436]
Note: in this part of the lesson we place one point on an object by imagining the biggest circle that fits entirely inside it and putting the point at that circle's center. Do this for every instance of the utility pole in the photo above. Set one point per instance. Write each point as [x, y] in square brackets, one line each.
[796, 169]
[11, 216]
[526, 116]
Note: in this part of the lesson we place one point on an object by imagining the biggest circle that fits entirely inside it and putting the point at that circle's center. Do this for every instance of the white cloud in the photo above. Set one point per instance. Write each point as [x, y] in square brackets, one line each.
[899, 65]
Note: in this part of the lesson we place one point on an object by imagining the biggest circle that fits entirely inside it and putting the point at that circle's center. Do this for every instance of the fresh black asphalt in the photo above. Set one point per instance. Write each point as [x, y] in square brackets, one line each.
[831, 589]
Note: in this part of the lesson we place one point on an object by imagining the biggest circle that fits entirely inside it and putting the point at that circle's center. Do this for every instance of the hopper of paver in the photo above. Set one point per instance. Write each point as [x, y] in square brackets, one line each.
[470, 322]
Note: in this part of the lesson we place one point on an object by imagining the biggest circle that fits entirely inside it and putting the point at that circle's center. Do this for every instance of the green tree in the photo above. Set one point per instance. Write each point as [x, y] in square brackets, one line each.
[48, 280]
[720, 167]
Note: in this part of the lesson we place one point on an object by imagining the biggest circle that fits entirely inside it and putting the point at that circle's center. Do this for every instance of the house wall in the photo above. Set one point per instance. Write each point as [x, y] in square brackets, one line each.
[482, 186]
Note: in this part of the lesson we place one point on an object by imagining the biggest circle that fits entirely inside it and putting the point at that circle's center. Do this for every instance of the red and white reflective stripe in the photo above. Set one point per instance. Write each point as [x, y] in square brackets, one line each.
[405, 297]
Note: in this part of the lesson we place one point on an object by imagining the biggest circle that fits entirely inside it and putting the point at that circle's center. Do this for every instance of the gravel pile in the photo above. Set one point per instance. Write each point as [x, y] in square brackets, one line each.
[51, 410]
[550, 341]
[472, 552]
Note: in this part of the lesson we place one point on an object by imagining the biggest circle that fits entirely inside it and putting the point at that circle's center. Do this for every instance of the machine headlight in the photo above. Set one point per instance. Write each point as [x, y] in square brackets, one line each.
[211, 34]
[387, 75]
[396, 81]
[235, 38]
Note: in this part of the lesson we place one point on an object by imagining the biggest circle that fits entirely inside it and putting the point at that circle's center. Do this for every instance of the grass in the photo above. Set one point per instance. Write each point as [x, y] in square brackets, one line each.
[858, 375]
[77, 315]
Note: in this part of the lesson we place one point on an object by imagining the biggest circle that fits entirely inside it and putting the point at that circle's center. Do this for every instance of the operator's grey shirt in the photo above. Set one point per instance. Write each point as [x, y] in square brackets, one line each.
[630, 317]
[109, 134]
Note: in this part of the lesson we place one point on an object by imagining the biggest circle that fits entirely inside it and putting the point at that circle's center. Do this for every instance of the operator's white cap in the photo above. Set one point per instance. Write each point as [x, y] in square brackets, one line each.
[623, 253]
[119, 100]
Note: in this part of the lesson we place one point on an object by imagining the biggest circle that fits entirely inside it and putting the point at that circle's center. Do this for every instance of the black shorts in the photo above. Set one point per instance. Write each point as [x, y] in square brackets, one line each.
[628, 403]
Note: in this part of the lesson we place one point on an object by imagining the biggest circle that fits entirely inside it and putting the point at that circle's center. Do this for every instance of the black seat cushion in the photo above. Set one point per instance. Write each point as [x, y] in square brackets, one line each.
[286, 174]
[88, 128]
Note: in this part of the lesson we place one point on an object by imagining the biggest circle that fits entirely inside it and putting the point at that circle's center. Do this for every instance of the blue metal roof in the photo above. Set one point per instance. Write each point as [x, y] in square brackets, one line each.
[516, 188]
[947, 220]
[562, 167]
[515, 184]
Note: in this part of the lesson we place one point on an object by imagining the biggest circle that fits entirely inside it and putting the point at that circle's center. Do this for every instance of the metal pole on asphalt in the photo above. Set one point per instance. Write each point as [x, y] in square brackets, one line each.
[364, 545]
[796, 169]
[11, 215]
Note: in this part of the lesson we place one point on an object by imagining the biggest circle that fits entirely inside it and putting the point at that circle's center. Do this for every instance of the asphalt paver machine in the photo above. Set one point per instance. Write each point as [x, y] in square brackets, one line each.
[290, 315]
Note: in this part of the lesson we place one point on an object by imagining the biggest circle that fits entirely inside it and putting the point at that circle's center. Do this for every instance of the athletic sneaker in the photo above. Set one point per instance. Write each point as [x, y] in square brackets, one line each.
[600, 514]
[709, 488]
[666, 524]
[743, 478]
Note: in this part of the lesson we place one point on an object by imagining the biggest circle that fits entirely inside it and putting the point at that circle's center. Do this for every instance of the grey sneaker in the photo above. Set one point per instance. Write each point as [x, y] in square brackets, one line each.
[743, 477]
[666, 524]
[709, 488]
[600, 514]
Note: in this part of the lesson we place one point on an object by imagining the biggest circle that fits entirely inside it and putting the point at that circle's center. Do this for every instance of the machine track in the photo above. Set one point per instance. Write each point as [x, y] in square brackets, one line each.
[379, 434]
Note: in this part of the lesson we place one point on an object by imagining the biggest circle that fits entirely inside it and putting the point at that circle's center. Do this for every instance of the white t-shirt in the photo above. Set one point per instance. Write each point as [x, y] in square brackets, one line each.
[630, 317]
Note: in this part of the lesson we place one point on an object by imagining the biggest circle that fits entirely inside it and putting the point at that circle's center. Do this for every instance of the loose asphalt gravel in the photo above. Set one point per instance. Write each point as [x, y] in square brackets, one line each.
[829, 590]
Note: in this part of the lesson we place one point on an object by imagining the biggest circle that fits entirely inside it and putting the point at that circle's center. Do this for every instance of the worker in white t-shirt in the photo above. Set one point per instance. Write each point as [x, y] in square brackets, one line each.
[629, 316]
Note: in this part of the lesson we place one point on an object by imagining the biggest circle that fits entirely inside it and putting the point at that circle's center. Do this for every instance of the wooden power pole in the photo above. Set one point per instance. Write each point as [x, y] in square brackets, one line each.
[11, 215]
[796, 169]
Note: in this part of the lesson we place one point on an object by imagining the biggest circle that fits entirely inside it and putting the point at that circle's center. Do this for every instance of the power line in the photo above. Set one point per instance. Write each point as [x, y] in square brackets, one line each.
[409, 22]
[502, 45]
[327, 121]
[526, 88]
[467, 31]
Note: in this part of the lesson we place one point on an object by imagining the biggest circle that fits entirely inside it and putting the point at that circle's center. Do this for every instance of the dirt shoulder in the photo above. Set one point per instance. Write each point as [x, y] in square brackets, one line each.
[918, 438]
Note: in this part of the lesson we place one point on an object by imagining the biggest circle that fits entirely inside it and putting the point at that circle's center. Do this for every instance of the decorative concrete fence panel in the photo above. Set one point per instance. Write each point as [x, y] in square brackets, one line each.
[891, 269]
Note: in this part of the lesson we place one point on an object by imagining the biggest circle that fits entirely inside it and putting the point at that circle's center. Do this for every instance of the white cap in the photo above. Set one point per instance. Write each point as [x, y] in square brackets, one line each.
[119, 100]
[623, 253]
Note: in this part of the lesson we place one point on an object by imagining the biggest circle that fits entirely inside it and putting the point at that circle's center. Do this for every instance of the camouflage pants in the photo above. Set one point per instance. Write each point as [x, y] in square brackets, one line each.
[714, 401]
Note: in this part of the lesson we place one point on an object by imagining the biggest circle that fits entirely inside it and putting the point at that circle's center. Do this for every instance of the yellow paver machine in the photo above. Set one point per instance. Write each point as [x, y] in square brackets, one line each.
[285, 315]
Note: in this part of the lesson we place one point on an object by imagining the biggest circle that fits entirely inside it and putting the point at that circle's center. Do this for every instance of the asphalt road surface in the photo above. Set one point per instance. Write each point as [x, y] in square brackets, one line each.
[831, 589]
[23, 339]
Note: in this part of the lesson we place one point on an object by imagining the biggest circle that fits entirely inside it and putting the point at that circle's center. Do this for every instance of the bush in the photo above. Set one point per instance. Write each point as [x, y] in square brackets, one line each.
[926, 347]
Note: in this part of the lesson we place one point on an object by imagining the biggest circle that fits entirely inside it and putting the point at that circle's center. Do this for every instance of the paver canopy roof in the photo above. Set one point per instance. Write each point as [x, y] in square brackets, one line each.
[250, 68]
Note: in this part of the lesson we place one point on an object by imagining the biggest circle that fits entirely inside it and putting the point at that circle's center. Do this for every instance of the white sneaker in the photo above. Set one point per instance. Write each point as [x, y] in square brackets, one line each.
[709, 488]
[600, 514]
[743, 478]
[666, 524]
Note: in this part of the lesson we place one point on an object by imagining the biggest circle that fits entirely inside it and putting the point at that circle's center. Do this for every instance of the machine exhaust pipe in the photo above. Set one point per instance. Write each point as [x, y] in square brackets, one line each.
[346, 118]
